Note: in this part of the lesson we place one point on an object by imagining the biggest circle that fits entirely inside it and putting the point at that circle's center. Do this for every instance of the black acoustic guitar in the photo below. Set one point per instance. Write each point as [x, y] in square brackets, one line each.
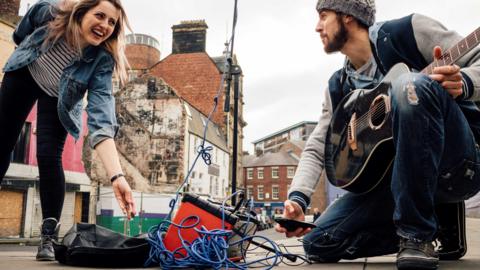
[359, 148]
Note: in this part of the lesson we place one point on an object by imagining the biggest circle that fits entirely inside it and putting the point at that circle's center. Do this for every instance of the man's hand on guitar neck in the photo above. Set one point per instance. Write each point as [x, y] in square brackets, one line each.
[293, 210]
[448, 76]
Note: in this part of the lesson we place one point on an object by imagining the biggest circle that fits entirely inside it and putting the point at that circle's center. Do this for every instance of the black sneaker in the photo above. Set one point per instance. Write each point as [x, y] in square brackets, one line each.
[416, 255]
[49, 233]
[451, 231]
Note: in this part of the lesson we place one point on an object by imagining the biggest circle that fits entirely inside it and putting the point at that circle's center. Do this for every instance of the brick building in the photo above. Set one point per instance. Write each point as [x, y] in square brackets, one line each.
[8, 19]
[194, 74]
[267, 179]
[279, 154]
[271, 174]
[9, 11]
[196, 78]
[6, 43]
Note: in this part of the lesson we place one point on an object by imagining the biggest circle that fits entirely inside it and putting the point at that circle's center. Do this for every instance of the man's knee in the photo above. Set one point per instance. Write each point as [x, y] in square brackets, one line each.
[413, 89]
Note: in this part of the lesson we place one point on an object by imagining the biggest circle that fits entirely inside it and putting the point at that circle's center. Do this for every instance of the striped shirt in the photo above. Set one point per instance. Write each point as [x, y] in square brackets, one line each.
[48, 68]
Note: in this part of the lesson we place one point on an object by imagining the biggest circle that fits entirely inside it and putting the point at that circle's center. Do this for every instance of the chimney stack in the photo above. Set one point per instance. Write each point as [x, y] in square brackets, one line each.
[189, 37]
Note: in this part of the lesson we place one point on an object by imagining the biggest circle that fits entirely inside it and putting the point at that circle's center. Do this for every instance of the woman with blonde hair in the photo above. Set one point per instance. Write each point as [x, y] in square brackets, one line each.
[65, 50]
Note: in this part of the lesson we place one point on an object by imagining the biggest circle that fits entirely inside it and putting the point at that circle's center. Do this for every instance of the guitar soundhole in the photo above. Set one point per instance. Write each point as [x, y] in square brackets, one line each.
[378, 112]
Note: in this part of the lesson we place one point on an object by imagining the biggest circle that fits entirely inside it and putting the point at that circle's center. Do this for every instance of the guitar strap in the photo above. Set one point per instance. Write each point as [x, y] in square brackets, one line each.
[375, 55]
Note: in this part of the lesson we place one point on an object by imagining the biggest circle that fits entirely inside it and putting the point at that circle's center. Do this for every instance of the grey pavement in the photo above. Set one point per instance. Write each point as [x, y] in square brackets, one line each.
[22, 257]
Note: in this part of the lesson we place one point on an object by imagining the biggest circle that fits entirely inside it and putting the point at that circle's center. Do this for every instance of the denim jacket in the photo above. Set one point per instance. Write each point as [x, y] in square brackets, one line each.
[92, 73]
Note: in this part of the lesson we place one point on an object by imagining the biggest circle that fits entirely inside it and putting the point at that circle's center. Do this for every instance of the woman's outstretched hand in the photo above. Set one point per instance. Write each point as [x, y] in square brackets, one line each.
[124, 196]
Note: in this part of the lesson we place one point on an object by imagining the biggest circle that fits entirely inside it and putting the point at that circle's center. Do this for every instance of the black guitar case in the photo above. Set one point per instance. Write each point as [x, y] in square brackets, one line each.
[91, 245]
[451, 231]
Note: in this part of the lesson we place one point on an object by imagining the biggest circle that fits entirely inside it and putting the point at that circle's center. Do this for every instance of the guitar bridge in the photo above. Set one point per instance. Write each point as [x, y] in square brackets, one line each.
[352, 140]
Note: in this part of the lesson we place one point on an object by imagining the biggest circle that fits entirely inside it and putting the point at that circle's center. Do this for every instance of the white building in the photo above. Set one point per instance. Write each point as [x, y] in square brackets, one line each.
[206, 180]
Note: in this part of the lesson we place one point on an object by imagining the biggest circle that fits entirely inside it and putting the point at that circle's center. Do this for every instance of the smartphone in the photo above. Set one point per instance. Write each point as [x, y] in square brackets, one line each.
[291, 224]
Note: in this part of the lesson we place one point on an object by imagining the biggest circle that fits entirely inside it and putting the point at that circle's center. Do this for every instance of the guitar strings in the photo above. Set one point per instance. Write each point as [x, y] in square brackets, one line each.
[362, 123]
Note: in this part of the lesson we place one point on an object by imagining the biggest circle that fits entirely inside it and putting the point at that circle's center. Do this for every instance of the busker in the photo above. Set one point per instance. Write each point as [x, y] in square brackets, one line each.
[435, 129]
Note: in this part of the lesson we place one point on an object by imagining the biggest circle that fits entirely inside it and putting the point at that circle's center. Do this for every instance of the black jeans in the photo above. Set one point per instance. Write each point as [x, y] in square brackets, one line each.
[18, 94]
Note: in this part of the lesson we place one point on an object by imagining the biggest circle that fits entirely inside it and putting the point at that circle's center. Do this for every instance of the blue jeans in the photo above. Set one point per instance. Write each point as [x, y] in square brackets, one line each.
[437, 160]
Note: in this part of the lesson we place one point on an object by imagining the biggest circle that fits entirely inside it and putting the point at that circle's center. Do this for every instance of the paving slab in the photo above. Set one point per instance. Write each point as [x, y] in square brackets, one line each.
[22, 257]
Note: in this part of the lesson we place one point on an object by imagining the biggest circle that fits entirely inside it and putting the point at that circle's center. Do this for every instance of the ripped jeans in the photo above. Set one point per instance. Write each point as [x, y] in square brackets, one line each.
[437, 161]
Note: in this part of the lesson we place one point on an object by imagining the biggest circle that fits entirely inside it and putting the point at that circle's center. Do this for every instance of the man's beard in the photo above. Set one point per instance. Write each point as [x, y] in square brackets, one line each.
[339, 38]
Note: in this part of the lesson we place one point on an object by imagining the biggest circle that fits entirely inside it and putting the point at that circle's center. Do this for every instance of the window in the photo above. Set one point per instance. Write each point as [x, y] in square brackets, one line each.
[275, 192]
[193, 174]
[260, 173]
[211, 185]
[153, 178]
[200, 175]
[260, 194]
[274, 172]
[132, 75]
[217, 187]
[224, 189]
[249, 173]
[290, 172]
[249, 192]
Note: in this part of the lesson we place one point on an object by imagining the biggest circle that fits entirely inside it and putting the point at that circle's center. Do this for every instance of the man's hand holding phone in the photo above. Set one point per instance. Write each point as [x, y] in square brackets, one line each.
[292, 210]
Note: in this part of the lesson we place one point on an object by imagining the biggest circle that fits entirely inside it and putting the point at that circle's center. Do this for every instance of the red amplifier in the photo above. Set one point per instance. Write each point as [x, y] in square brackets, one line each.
[210, 216]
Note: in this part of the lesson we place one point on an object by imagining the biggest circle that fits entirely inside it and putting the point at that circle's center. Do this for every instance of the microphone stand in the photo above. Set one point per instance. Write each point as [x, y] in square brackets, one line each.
[233, 71]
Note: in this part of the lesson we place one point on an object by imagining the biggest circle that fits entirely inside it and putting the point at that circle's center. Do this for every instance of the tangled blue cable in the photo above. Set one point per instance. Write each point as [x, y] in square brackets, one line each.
[204, 153]
[208, 250]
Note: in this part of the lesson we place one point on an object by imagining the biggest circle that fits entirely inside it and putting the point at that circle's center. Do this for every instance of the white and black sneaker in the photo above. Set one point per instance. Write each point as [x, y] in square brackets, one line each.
[49, 233]
[416, 255]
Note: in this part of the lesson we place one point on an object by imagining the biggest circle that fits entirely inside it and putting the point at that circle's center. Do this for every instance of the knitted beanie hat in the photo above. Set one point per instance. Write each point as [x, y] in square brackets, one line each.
[362, 10]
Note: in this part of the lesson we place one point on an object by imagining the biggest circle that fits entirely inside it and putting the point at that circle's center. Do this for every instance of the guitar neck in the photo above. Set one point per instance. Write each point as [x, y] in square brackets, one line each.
[450, 56]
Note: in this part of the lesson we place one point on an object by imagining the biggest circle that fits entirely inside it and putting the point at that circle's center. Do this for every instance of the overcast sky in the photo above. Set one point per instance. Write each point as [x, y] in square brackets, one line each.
[285, 68]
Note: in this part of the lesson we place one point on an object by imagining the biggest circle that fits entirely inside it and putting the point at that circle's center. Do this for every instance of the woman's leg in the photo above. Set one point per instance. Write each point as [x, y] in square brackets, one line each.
[18, 93]
[51, 137]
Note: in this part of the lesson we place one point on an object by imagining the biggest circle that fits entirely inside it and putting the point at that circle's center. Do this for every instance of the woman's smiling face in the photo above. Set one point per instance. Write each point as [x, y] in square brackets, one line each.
[98, 23]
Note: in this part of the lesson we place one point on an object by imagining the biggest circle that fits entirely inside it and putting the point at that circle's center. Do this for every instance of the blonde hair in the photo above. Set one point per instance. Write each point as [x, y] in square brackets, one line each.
[67, 23]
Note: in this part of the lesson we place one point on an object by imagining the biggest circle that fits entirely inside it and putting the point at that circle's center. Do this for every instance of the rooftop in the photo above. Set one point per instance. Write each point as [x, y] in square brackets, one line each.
[270, 159]
[285, 130]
